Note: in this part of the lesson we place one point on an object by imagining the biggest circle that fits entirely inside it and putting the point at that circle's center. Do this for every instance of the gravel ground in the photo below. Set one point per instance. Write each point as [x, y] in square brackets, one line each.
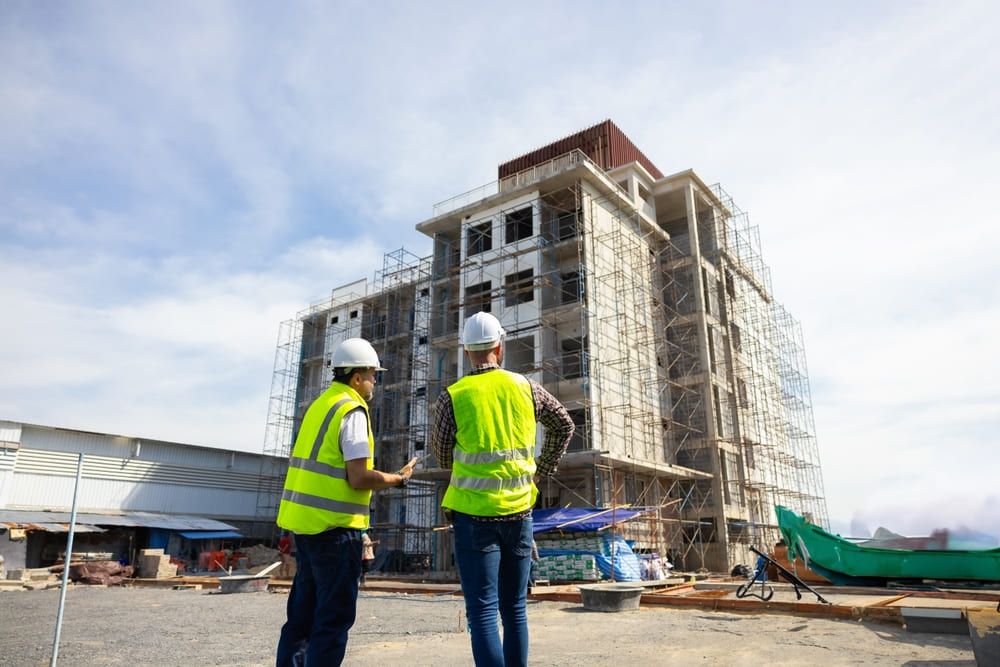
[149, 626]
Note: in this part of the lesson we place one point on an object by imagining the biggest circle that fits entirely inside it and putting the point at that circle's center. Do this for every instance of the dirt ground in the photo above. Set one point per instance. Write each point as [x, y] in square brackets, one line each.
[149, 626]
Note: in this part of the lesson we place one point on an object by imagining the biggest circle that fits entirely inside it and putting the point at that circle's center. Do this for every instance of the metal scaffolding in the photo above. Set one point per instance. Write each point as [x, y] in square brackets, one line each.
[644, 307]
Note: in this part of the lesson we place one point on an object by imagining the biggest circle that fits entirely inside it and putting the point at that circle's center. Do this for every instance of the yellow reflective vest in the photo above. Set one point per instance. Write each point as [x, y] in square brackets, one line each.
[317, 495]
[494, 459]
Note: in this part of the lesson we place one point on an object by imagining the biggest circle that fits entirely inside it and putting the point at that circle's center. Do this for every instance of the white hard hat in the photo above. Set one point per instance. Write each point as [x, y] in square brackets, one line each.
[355, 353]
[482, 332]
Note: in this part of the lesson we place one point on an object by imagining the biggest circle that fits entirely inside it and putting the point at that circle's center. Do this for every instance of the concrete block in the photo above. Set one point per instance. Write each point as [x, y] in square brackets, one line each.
[936, 621]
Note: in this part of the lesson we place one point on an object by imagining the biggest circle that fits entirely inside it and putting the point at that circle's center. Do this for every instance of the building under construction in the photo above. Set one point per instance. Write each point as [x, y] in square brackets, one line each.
[641, 301]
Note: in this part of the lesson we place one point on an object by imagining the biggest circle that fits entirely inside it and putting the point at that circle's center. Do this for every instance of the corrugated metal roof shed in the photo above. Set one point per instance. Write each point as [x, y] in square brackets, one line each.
[53, 527]
[176, 522]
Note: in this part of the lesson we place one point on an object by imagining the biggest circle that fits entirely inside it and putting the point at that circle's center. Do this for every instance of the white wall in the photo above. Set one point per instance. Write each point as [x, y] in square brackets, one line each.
[126, 473]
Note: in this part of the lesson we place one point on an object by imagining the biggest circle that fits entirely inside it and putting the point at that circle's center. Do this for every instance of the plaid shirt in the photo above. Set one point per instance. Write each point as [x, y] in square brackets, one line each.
[549, 412]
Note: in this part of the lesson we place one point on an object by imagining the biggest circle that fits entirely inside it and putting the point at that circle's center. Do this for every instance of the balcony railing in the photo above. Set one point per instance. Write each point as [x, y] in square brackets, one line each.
[534, 173]
[466, 198]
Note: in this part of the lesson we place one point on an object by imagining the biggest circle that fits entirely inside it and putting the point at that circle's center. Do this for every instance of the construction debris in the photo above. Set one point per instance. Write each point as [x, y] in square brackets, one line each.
[260, 555]
[103, 572]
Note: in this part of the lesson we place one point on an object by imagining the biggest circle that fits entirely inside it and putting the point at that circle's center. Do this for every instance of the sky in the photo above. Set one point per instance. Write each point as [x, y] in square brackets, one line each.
[178, 178]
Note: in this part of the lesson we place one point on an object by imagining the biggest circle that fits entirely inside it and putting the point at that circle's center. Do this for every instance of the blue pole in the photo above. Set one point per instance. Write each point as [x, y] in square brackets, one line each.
[69, 552]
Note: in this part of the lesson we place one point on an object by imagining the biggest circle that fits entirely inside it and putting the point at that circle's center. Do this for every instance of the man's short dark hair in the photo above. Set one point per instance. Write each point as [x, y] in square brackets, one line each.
[343, 375]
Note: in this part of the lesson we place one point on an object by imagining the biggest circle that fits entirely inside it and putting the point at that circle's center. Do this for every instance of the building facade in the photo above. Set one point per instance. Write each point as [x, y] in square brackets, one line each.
[640, 300]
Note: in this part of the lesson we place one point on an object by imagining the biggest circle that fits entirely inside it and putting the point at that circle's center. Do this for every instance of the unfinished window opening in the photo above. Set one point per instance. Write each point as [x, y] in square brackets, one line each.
[519, 287]
[578, 442]
[545, 502]
[735, 336]
[678, 227]
[519, 225]
[644, 193]
[334, 319]
[378, 326]
[709, 294]
[519, 354]
[566, 225]
[633, 490]
[740, 533]
[731, 477]
[741, 476]
[703, 530]
[724, 462]
[477, 298]
[730, 285]
[479, 238]
[354, 314]
[711, 347]
[572, 358]
[570, 289]
[448, 252]
[718, 410]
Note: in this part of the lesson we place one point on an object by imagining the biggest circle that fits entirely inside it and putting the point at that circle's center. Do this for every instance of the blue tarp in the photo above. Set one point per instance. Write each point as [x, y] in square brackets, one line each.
[209, 534]
[581, 519]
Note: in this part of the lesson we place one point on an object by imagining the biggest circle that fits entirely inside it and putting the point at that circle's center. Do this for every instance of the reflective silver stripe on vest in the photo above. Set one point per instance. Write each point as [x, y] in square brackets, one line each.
[490, 484]
[316, 502]
[314, 455]
[320, 468]
[519, 454]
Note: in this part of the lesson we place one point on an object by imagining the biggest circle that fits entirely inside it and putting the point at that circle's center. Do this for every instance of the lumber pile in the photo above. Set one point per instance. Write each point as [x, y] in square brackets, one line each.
[154, 564]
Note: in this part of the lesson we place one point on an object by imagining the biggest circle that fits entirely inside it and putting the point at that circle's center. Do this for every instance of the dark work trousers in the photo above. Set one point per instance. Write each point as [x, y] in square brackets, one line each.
[323, 600]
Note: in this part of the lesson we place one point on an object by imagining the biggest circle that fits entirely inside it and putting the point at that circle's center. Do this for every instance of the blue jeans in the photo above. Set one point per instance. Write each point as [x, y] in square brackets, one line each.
[324, 598]
[494, 558]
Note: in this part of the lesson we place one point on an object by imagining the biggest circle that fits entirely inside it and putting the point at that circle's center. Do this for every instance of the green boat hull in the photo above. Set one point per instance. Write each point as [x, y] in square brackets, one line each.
[846, 563]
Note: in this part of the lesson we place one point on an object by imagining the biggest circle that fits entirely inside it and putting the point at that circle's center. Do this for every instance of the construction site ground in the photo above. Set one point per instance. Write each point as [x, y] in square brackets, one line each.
[188, 621]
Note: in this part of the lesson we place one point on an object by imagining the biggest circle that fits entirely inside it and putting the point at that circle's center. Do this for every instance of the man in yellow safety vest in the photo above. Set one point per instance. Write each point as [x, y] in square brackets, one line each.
[484, 430]
[325, 505]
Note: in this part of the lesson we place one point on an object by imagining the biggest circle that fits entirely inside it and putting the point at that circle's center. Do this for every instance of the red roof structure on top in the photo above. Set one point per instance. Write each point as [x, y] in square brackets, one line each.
[603, 143]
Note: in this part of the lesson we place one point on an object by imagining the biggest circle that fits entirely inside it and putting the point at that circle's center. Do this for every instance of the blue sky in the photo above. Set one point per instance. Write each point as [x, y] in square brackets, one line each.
[178, 178]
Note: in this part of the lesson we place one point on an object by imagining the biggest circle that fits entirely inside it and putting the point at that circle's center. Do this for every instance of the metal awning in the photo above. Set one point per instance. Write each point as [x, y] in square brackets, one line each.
[52, 527]
[127, 519]
[208, 534]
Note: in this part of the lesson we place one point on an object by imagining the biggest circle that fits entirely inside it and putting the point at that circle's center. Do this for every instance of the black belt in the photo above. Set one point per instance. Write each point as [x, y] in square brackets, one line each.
[330, 531]
[518, 516]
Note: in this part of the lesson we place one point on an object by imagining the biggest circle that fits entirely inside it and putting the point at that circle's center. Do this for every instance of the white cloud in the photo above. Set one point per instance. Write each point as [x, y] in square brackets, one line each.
[157, 363]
